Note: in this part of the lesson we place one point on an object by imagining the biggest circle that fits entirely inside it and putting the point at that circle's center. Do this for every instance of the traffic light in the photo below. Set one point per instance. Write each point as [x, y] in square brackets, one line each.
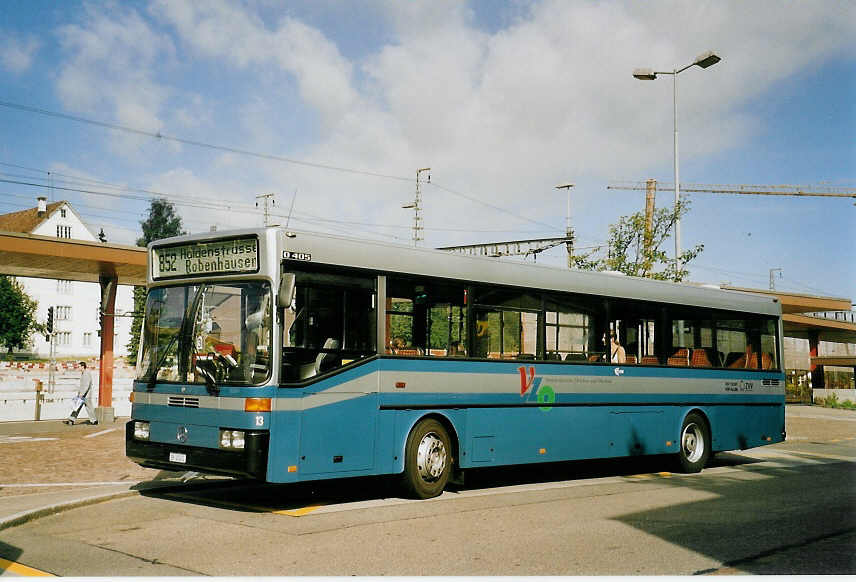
[49, 327]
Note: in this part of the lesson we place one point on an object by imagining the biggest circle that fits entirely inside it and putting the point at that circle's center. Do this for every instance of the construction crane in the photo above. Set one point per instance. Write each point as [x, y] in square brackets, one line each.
[762, 190]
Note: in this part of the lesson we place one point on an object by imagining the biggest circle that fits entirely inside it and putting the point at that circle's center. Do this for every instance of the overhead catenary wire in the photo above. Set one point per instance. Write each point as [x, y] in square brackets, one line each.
[165, 137]
[197, 202]
[229, 149]
[497, 208]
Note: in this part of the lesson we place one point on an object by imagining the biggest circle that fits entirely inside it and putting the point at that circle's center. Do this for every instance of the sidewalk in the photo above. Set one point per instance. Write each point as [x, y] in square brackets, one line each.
[48, 466]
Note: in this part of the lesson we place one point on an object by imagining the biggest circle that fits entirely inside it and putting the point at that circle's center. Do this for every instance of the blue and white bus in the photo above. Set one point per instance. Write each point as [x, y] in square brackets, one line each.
[290, 356]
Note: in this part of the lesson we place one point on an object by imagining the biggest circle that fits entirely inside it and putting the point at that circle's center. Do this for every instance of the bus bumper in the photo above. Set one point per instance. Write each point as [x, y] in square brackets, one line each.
[250, 462]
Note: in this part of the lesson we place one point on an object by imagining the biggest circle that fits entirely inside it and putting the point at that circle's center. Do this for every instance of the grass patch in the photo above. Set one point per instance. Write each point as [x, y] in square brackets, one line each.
[832, 401]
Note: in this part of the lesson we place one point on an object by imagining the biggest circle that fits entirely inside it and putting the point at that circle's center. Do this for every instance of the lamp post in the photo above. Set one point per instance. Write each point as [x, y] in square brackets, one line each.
[568, 232]
[704, 61]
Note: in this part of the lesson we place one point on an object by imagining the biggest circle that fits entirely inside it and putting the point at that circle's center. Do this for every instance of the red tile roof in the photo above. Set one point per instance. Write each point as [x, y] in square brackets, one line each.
[27, 220]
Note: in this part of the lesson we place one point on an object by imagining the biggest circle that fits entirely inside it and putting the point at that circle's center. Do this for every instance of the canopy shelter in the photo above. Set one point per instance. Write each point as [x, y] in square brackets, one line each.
[816, 319]
[30, 255]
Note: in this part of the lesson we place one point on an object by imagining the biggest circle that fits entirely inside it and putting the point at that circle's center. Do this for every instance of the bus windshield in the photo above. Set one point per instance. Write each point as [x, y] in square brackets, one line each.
[222, 332]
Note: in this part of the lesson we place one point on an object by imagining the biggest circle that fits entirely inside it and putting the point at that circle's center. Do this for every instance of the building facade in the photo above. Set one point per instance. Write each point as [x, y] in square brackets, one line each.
[76, 303]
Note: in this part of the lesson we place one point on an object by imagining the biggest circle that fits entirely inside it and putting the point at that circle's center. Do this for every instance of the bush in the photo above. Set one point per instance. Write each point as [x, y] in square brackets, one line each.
[832, 401]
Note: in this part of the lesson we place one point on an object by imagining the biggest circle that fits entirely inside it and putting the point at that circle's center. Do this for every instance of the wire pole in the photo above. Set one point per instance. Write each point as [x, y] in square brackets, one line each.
[773, 278]
[417, 209]
[269, 201]
[569, 231]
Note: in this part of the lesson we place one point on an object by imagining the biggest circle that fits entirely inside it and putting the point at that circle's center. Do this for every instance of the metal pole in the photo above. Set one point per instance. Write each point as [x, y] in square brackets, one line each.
[417, 217]
[569, 233]
[417, 220]
[772, 278]
[677, 180]
[52, 368]
[568, 217]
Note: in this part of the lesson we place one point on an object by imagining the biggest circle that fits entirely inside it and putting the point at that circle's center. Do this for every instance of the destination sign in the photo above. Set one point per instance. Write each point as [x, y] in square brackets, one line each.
[206, 258]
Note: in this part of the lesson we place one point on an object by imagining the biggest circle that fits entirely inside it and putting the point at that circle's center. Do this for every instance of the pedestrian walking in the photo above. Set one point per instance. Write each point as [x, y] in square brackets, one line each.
[83, 398]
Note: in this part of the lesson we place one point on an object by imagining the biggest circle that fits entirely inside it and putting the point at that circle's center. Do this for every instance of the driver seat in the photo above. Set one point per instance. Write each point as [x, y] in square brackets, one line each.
[326, 360]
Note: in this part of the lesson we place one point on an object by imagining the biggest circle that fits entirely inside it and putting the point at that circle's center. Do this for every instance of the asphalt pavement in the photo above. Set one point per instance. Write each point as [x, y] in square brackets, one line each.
[49, 467]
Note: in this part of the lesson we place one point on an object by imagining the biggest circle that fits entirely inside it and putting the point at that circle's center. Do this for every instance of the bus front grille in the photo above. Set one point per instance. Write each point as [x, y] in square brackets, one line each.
[184, 401]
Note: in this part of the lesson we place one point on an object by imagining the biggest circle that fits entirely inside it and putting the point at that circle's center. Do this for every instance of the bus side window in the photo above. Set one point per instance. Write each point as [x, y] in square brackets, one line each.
[399, 326]
[425, 317]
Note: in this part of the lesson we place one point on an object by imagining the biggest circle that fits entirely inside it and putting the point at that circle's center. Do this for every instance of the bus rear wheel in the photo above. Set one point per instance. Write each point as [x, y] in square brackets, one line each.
[427, 459]
[694, 443]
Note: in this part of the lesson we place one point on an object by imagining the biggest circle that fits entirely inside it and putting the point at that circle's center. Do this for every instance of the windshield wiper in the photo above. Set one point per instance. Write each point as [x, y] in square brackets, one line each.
[153, 370]
[183, 330]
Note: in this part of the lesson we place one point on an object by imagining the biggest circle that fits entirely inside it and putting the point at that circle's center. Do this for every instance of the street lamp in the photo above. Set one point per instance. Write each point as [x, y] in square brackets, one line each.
[568, 233]
[704, 61]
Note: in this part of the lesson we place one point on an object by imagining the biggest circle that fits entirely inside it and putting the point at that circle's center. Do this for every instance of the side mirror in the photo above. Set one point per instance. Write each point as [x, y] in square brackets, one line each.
[287, 289]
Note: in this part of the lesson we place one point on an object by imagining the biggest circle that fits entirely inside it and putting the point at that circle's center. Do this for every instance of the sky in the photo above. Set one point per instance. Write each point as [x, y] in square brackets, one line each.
[332, 106]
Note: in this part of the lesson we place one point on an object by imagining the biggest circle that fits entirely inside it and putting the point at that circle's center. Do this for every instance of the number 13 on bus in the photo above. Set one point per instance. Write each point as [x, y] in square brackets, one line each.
[286, 357]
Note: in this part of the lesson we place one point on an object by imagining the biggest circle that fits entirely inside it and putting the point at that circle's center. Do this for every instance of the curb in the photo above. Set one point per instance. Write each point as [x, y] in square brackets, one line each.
[28, 515]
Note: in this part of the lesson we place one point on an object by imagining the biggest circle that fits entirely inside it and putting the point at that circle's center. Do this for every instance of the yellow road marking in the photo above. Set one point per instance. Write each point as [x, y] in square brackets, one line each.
[650, 475]
[20, 569]
[297, 512]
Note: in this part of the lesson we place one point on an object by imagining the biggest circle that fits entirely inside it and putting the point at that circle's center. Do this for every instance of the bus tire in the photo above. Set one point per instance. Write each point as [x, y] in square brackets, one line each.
[694, 444]
[427, 459]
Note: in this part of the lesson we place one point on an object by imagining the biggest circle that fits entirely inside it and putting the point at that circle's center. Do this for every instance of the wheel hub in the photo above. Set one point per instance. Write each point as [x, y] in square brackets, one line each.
[692, 442]
[431, 457]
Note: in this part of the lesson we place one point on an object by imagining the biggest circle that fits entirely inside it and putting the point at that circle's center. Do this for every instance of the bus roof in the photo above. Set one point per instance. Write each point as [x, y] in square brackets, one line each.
[396, 258]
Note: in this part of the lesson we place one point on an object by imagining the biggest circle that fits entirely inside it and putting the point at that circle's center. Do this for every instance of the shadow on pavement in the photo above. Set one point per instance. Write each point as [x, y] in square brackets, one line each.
[759, 503]
[756, 500]
[255, 497]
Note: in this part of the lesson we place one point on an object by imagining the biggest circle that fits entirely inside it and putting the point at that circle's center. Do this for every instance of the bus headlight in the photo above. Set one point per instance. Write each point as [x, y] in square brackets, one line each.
[141, 430]
[231, 439]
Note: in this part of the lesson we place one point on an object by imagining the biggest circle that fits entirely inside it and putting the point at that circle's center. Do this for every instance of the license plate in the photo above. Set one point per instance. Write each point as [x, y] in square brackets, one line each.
[177, 458]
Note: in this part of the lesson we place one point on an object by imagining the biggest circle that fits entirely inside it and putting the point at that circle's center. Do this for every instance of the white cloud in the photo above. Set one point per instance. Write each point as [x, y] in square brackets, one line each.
[502, 114]
[110, 70]
[506, 114]
[17, 54]
[217, 199]
[221, 30]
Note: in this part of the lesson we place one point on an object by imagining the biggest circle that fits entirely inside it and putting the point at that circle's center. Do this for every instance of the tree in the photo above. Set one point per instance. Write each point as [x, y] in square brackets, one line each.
[162, 222]
[628, 253]
[17, 315]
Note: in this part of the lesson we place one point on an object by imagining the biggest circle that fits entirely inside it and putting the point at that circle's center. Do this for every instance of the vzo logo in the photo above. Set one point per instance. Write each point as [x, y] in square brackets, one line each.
[530, 388]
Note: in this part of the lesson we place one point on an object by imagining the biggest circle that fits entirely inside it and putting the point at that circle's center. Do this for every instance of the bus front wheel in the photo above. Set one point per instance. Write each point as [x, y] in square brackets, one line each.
[427, 459]
[694, 443]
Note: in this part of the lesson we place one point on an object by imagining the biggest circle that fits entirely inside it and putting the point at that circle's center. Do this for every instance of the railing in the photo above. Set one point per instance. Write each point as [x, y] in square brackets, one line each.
[846, 316]
[21, 399]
